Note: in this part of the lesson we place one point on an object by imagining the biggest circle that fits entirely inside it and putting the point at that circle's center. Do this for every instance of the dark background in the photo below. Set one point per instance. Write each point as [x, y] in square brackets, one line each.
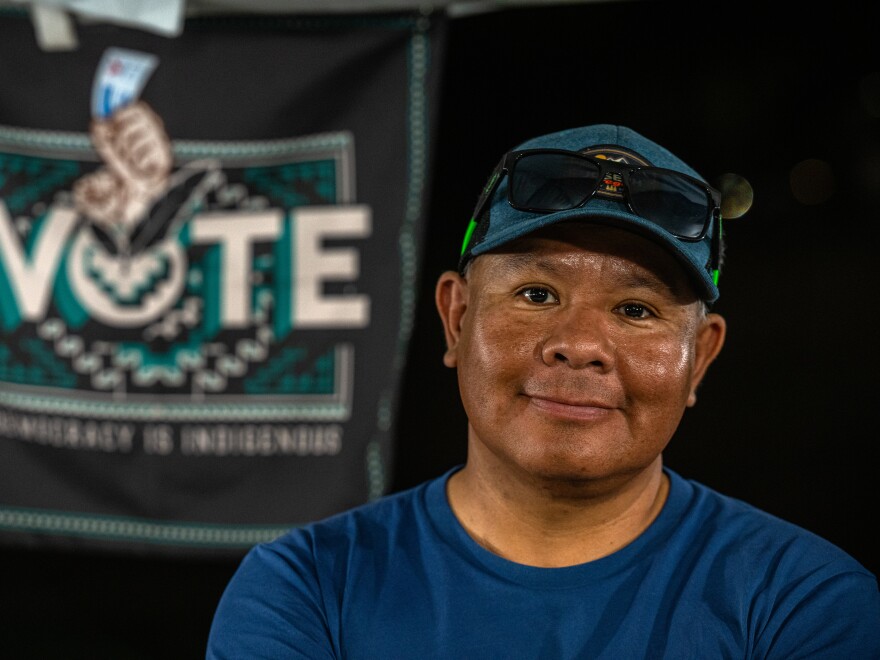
[786, 416]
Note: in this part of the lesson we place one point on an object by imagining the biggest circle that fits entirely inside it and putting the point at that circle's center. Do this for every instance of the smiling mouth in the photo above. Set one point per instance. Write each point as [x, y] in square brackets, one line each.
[586, 410]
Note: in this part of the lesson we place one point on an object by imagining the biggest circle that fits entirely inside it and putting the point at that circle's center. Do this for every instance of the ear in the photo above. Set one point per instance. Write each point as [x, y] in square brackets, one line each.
[451, 297]
[710, 339]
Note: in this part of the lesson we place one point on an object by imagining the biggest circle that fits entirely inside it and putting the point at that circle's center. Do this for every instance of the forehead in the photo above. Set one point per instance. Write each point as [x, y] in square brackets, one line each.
[567, 246]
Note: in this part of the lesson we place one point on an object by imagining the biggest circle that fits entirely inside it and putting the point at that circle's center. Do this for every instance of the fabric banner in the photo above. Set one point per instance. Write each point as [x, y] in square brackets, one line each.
[209, 248]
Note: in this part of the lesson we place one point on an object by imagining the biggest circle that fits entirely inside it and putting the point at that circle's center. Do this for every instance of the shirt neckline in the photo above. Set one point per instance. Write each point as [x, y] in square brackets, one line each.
[453, 533]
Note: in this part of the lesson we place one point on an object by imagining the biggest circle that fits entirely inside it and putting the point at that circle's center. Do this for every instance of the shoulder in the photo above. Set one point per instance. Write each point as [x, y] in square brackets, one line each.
[319, 553]
[286, 595]
[786, 580]
[757, 550]
[735, 526]
[364, 526]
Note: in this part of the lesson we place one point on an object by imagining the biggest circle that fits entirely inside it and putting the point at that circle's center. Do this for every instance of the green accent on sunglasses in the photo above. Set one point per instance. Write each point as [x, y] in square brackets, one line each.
[467, 235]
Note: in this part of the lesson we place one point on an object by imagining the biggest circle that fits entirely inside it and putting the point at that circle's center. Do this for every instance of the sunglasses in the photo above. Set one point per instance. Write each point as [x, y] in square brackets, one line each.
[550, 180]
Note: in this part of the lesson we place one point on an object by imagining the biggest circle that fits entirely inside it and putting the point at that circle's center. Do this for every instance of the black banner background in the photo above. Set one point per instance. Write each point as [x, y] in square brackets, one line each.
[230, 414]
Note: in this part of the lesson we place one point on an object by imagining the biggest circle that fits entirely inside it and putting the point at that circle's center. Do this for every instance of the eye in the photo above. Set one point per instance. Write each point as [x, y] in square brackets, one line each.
[635, 311]
[538, 295]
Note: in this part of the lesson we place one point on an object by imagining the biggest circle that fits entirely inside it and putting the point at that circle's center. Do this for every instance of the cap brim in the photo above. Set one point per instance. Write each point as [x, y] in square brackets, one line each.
[691, 255]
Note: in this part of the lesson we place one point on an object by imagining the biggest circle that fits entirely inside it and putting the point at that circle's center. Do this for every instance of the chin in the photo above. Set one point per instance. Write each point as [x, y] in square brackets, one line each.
[566, 470]
[580, 471]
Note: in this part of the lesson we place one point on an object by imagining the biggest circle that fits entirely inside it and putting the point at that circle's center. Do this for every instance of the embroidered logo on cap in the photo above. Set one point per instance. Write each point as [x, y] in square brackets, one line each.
[612, 183]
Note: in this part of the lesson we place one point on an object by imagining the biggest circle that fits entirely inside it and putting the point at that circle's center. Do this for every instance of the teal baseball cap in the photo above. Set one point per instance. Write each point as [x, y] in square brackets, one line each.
[606, 174]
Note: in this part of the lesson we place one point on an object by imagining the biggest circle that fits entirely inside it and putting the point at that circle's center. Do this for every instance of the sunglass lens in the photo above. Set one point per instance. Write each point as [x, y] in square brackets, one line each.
[677, 204]
[547, 182]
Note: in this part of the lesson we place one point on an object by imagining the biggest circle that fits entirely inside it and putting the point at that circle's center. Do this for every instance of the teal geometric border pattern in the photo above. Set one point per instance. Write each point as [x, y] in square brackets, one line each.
[121, 528]
[330, 407]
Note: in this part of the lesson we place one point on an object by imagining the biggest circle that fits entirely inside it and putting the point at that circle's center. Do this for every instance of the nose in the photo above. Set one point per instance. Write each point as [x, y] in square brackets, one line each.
[579, 338]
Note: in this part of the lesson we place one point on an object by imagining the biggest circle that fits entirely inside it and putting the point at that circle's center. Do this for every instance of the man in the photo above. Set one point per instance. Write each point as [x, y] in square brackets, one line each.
[580, 329]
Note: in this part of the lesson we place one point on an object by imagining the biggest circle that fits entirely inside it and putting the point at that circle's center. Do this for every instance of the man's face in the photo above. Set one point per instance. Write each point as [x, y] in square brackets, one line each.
[578, 349]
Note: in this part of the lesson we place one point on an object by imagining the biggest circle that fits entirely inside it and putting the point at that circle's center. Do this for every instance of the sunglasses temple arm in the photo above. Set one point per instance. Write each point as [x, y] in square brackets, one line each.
[467, 235]
[715, 258]
[488, 189]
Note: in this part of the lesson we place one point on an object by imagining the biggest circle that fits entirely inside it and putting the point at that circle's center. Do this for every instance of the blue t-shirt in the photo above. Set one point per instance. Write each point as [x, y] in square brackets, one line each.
[712, 577]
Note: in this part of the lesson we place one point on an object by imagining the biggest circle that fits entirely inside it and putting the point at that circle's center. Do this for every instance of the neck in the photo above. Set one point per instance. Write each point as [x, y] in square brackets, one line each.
[554, 523]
